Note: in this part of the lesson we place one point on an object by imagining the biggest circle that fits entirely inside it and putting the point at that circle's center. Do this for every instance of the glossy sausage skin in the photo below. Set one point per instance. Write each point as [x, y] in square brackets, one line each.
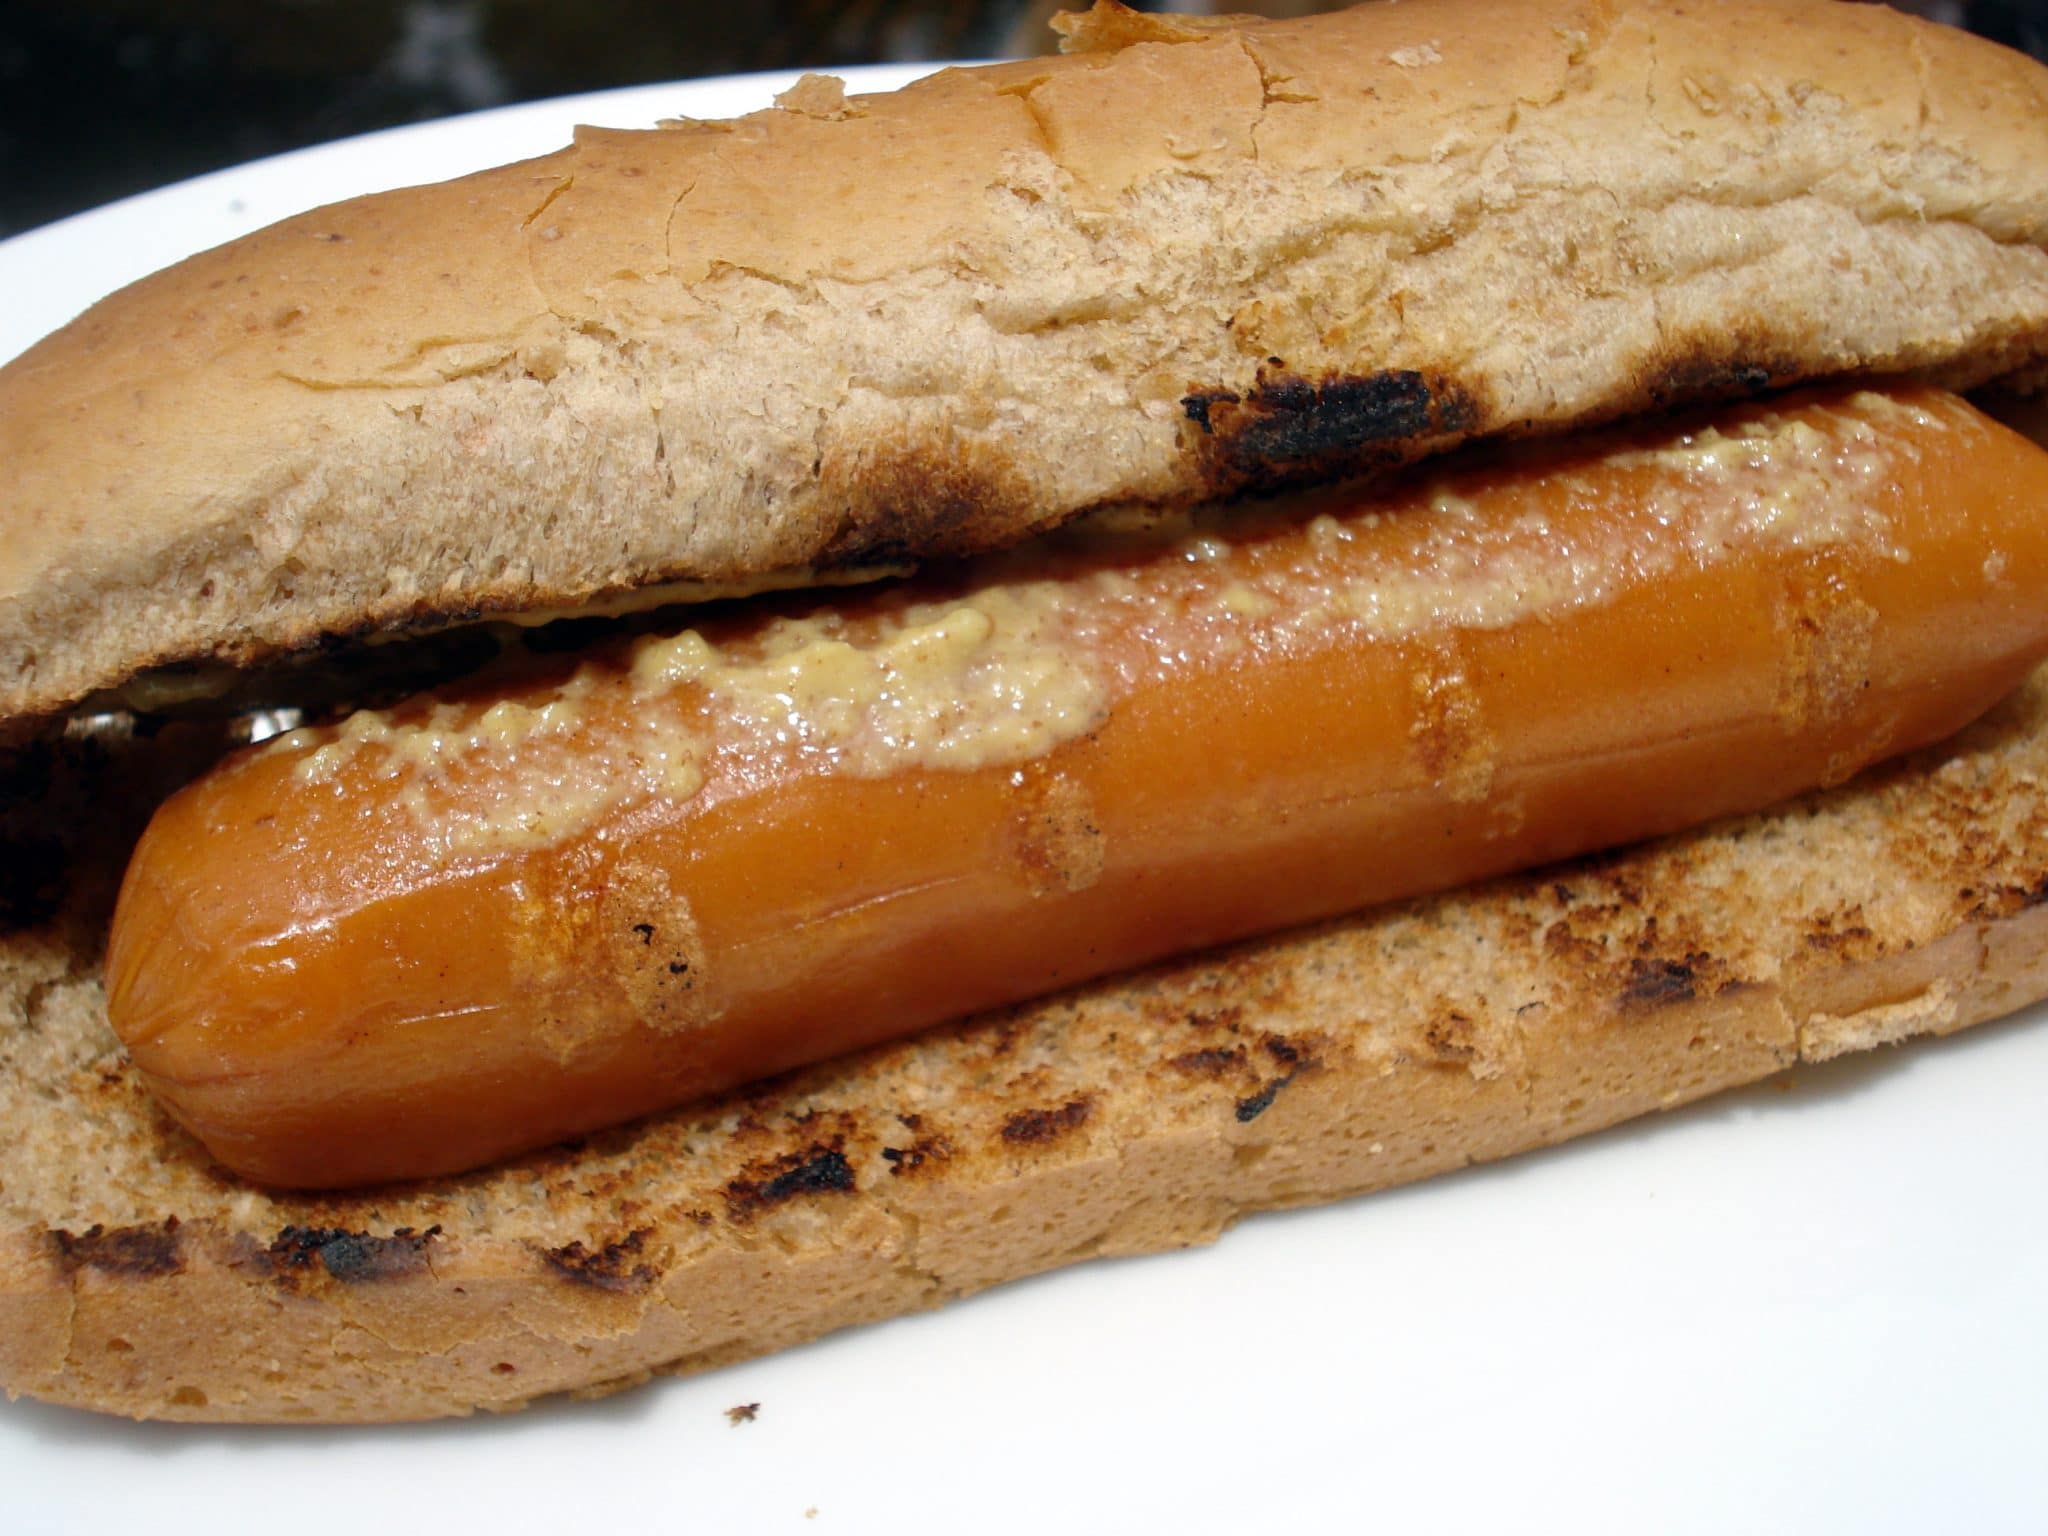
[366, 953]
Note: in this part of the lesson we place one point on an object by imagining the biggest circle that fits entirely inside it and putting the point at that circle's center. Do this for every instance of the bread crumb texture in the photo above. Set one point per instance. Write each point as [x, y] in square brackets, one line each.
[1134, 1115]
[1190, 256]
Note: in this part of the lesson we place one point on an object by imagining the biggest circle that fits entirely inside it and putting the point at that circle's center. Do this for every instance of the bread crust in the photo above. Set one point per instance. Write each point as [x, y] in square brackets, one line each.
[1189, 259]
[1135, 1115]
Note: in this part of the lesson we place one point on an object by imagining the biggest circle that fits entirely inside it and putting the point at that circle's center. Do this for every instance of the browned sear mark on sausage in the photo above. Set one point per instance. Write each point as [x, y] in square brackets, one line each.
[1831, 630]
[1058, 844]
[650, 937]
[1452, 742]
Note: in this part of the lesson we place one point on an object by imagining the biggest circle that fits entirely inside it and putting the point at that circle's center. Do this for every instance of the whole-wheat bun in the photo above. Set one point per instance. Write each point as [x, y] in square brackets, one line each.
[1137, 1114]
[1188, 258]
[1194, 257]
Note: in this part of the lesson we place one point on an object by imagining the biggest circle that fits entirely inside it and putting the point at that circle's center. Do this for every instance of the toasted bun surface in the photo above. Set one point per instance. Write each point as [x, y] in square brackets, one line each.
[1185, 260]
[1136, 1115]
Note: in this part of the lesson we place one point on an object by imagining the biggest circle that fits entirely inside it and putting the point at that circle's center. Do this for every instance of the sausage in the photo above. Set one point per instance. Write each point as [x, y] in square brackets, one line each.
[413, 941]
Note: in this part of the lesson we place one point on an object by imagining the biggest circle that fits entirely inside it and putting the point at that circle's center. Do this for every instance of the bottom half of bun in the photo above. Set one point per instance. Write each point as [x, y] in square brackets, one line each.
[1144, 1113]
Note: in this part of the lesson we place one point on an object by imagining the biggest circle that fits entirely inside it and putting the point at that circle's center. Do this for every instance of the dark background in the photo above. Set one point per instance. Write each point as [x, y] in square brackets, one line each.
[100, 98]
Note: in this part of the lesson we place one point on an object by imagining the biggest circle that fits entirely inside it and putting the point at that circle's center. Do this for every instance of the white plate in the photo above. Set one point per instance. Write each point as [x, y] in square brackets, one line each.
[1815, 1305]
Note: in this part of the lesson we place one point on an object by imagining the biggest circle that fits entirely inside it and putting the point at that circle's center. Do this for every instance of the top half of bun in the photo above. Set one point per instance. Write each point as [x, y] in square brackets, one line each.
[1187, 258]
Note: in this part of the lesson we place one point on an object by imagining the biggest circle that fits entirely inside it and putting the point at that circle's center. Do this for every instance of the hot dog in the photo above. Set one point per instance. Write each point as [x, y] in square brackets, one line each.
[1104, 300]
[718, 854]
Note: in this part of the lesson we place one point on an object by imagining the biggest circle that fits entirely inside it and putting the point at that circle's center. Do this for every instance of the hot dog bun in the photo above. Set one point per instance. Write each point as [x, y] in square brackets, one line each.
[227, 462]
[1181, 261]
[1140, 1114]
[414, 943]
